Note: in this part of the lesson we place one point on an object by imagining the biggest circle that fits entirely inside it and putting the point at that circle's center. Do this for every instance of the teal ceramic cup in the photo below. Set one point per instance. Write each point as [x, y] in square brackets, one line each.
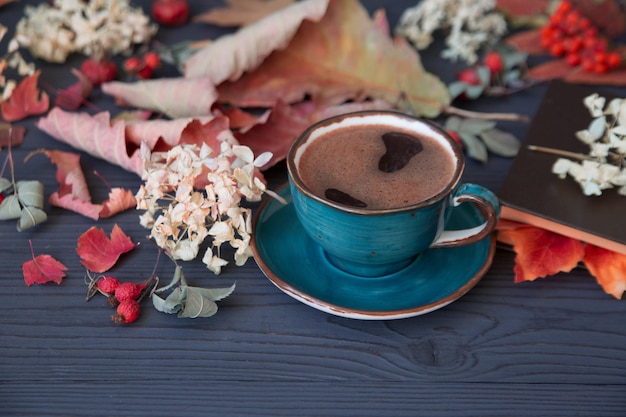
[373, 242]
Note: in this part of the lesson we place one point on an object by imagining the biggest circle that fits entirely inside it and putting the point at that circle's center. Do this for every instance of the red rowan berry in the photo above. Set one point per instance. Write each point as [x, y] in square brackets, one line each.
[587, 64]
[127, 312]
[557, 49]
[613, 60]
[128, 291]
[573, 60]
[108, 284]
[600, 68]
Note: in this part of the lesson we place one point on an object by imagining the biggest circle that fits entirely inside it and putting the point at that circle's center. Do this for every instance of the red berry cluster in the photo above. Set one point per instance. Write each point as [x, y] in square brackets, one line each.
[568, 33]
[126, 295]
[143, 67]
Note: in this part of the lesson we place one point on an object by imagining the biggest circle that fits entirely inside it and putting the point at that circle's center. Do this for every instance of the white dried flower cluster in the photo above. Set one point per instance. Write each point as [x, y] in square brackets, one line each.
[53, 32]
[471, 25]
[13, 60]
[605, 166]
[180, 217]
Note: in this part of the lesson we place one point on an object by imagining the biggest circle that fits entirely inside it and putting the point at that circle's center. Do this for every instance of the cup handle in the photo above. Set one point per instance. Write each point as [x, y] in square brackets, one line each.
[489, 206]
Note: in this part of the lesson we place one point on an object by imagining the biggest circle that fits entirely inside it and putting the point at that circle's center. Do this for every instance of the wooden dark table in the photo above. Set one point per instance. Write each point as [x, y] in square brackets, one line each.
[554, 347]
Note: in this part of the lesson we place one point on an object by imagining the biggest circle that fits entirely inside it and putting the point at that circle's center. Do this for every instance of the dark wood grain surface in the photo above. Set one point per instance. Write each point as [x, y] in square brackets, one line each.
[554, 347]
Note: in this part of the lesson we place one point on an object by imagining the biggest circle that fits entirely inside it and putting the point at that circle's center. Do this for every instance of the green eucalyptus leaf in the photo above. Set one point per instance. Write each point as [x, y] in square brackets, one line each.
[178, 273]
[171, 305]
[31, 216]
[453, 123]
[473, 91]
[476, 126]
[500, 143]
[214, 294]
[5, 184]
[511, 76]
[10, 208]
[456, 88]
[476, 149]
[484, 74]
[197, 306]
[30, 193]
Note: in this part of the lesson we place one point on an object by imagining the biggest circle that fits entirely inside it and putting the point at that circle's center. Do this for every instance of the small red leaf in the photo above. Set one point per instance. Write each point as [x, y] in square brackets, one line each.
[73, 97]
[98, 253]
[26, 100]
[42, 269]
[541, 253]
[608, 267]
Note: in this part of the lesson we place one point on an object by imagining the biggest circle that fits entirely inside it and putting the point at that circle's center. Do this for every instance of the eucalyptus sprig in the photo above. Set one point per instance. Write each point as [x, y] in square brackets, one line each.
[22, 200]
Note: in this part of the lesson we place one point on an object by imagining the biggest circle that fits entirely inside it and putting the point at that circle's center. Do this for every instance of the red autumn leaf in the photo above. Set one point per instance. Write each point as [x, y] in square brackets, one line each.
[608, 267]
[241, 12]
[560, 69]
[528, 41]
[329, 62]
[540, 253]
[98, 253]
[11, 134]
[26, 100]
[605, 14]
[73, 97]
[522, 9]
[42, 268]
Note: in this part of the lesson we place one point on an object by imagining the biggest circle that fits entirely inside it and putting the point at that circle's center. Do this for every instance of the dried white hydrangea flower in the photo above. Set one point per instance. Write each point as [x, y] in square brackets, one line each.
[180, 217]
[472, 24]
[605, 165]
[53, 32]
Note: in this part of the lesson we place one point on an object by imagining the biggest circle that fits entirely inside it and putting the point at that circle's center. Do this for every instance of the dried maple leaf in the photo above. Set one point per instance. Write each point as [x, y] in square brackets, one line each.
[42, 269]
[73, 97]
[528, 41]
[560, 69]
[241, 12]
[11, 134]
[605, 14]
[73, 193]
[98, 253]
[346, 56]
[540, 253]
[174, 97]
[26, 100]
[608, 267]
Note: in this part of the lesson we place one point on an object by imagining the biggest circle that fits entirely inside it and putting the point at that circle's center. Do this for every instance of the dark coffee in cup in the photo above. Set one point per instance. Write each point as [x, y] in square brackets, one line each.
[376, 166]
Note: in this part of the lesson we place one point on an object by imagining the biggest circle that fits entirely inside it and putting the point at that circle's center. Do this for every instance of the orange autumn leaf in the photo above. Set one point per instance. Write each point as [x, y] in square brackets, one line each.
[241, 12]
[540, 253]
[608, 267]
[26, 100]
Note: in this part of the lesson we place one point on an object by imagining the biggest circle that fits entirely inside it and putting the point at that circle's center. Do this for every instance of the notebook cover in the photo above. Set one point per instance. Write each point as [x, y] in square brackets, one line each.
[532, 194]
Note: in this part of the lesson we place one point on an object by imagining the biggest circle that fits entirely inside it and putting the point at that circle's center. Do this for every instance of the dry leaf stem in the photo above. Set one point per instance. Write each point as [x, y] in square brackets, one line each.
[514, 117]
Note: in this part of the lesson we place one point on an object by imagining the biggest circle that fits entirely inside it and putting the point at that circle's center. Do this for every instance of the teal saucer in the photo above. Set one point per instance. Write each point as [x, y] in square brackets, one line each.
[298, 267]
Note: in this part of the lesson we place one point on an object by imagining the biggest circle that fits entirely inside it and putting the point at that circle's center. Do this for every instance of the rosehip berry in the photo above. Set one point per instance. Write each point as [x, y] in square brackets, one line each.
[494, 62]
[170, 12]
[108, 284]
[127, 312]
[133, 64]
[469, 76]
[152, 59]
[145, 72]
[99, 71]
[128, 291]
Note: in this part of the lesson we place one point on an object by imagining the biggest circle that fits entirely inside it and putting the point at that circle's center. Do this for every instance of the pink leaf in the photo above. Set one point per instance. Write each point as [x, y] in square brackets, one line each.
[42, 268]
[174, 97]
[230, 56]
[98, 253]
